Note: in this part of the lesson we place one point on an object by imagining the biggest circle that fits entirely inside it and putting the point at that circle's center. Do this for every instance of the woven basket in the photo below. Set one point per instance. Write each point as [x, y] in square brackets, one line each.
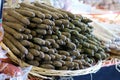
[37, 71]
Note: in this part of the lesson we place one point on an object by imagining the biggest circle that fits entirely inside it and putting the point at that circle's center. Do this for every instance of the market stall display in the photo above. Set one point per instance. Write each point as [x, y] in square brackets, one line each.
[60, 44]
[51, 38]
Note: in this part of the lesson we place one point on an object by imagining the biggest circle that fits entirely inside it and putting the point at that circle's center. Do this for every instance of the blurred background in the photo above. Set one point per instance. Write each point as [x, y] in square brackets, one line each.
[84, 5]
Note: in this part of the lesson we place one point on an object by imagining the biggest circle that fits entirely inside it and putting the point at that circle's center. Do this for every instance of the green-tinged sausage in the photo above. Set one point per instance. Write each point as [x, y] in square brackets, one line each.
[12, 32]
[12, 47]
[39, 41]
[9, 18]
[15, 26]
[18, 16]
[27, 43]
[25, 12]
[37, 13]
[34, 52]
[16, 43]
[29, 56]
[34, 62]
[32, 25]
[40, 31]
[47, 66]
[36, 20]
[43, 26]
